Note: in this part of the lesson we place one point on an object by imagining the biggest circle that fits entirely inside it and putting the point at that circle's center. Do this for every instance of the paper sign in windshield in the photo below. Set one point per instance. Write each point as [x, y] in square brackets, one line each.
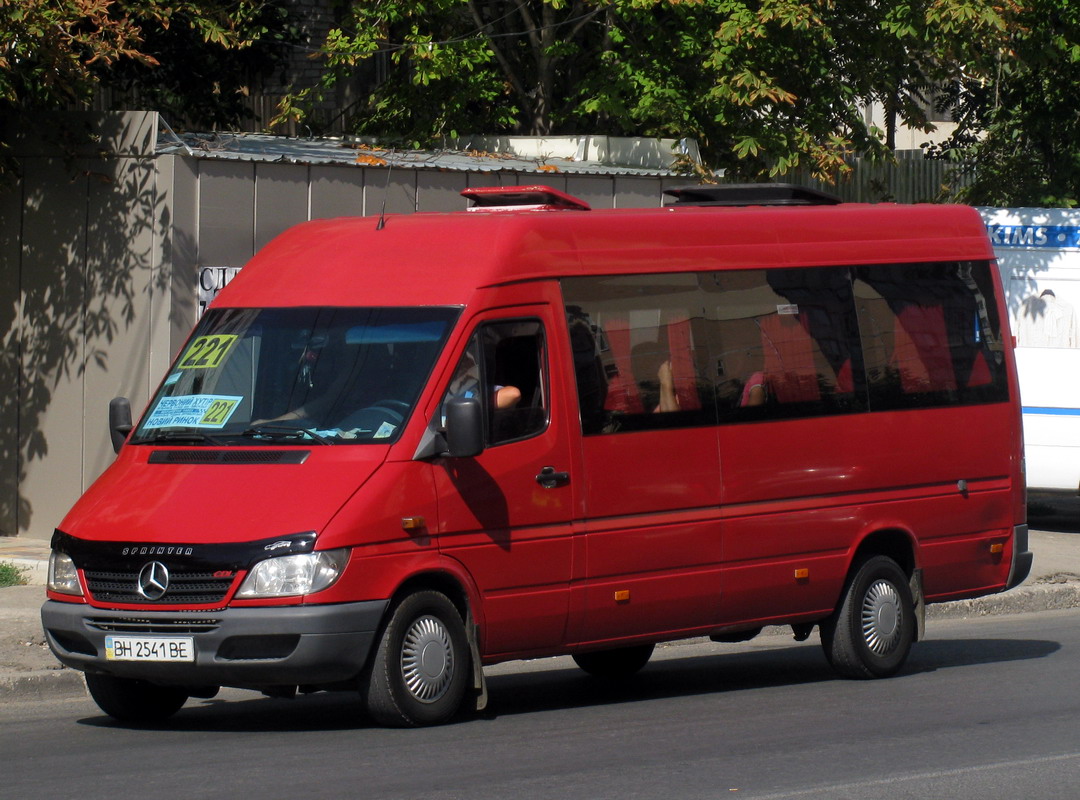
[206, 352]
[193, 411]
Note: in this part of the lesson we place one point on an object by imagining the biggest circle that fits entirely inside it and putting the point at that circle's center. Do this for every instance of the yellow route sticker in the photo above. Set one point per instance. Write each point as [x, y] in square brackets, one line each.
[206, 352]
[219, 411]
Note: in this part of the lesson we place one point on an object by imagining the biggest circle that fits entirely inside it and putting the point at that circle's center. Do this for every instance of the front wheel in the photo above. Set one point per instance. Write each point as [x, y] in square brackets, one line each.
[130, 700]
[420, 670]
[870, 634]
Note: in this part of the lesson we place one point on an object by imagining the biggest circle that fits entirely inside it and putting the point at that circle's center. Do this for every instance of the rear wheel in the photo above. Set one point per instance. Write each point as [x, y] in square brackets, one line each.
[619, 663]
[420, 671]
[870, 635]
[130, 700]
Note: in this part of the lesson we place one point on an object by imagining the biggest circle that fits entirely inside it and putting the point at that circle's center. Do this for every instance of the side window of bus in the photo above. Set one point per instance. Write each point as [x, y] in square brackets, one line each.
[639, 353]
[685, 349]
[785, 343]
[505, 366]
[931, 335]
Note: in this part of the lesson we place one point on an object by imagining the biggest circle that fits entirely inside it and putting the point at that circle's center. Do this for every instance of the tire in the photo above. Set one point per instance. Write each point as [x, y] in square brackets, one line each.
[870, 634]
[421, 668]
[614, 664]
[130, 700]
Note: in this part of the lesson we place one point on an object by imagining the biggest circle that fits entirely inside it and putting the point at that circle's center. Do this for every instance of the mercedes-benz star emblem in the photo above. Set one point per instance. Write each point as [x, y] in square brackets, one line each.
[153, 580]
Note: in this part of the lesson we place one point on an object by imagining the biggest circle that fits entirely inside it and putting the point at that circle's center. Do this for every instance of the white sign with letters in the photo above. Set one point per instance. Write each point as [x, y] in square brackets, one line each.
[211, 281]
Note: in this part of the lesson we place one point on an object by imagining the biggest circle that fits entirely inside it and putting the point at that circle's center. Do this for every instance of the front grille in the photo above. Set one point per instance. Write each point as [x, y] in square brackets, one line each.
[185, 588]
[132, 625]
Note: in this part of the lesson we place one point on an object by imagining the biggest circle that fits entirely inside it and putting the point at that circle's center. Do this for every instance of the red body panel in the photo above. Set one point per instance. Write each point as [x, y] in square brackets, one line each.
[198, 503]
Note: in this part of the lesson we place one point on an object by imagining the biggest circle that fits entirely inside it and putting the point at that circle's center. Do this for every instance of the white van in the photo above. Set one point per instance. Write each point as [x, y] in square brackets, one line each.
[1038, 252]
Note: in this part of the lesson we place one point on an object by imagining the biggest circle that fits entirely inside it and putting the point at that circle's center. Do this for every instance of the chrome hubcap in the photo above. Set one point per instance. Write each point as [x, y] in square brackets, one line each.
[882, 614]
[427, 659]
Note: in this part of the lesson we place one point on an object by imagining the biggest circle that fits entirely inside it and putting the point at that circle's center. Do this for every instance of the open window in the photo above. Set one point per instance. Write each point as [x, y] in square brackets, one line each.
[504, 367]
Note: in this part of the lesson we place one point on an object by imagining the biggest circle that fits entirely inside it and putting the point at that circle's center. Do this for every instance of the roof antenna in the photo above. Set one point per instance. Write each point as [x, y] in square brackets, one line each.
[386, 189]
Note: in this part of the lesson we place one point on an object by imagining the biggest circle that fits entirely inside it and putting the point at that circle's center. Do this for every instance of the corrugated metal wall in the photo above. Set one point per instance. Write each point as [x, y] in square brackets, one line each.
[85, 299]
[911, 179]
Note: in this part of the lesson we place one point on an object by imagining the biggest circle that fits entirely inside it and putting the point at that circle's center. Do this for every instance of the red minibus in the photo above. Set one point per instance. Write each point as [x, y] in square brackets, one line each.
[395, 451]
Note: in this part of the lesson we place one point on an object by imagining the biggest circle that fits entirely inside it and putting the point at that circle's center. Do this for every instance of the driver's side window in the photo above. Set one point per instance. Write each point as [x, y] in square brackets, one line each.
[504, 366]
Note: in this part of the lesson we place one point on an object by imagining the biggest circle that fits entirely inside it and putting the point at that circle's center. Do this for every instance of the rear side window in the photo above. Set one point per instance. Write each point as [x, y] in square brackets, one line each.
[931, 335]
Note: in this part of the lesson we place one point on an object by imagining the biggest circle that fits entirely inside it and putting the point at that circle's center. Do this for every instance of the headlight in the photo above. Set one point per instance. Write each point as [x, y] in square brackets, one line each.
[286, 576]
[63, 576]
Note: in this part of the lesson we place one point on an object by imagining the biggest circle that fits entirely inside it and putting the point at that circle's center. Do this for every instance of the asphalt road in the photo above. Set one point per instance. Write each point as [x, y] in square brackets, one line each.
[986, 708]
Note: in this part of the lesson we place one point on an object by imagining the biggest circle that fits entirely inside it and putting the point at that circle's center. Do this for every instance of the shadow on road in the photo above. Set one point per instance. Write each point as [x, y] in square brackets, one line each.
[563, 686]
[1053, 512]
[736, 672]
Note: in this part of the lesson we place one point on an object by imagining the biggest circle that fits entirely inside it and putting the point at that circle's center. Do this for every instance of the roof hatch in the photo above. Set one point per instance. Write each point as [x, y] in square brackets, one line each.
[751, 194]
[523, 198]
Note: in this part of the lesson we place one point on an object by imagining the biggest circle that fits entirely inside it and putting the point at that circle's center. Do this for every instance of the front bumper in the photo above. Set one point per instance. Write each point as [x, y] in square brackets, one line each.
[243, 647]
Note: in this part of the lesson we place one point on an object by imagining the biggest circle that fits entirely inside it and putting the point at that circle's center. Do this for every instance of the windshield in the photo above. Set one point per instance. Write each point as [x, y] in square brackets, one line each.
[323, 375]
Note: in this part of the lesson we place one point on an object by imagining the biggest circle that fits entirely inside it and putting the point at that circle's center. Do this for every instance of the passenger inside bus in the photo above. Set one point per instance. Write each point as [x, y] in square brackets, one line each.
[755, 391]
[654, 376]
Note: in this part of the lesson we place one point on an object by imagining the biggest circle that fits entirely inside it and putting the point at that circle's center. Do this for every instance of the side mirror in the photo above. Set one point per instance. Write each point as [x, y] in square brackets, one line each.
[464, 427]
[119, 421]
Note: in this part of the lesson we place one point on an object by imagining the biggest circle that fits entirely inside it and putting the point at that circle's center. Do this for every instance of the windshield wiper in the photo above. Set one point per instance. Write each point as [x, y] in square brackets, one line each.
[181, 437]
[283, 433]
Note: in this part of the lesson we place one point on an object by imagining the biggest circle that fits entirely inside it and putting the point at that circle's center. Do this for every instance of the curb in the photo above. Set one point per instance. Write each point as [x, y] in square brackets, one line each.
[1051, 594]
[42, 684]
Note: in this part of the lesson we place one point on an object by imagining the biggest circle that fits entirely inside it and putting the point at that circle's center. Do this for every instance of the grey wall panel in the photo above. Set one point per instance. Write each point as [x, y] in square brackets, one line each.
[596, 190]
[552, 179]
[53, 358]
[10, 368]
[179, 224]
[393, 189]
[120, 285]
[484, 178]
[675, 183]
[634, 192]
[87, 133]
[126, 133]
[281, 199]
[440, 191]
[226, 213]
[337, 192]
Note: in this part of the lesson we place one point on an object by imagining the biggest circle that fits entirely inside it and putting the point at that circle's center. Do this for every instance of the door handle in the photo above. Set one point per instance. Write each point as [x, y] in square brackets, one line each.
[549, 478]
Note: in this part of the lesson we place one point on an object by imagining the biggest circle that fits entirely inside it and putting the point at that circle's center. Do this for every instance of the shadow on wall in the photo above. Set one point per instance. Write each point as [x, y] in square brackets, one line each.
[78, 280]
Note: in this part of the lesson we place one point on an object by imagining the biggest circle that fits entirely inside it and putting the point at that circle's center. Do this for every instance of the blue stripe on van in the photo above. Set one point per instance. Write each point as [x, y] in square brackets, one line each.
[1052, 412]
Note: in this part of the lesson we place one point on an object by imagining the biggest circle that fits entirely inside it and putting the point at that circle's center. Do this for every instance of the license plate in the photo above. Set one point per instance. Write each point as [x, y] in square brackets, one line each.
[149, 648]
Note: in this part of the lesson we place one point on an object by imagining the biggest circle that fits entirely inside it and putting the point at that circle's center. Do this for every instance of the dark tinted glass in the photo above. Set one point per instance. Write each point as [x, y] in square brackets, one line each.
[689, 349]
[931, 335]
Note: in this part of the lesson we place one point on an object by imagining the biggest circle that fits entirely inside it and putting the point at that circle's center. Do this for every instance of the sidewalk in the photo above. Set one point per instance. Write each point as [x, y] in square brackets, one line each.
[28, 669]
